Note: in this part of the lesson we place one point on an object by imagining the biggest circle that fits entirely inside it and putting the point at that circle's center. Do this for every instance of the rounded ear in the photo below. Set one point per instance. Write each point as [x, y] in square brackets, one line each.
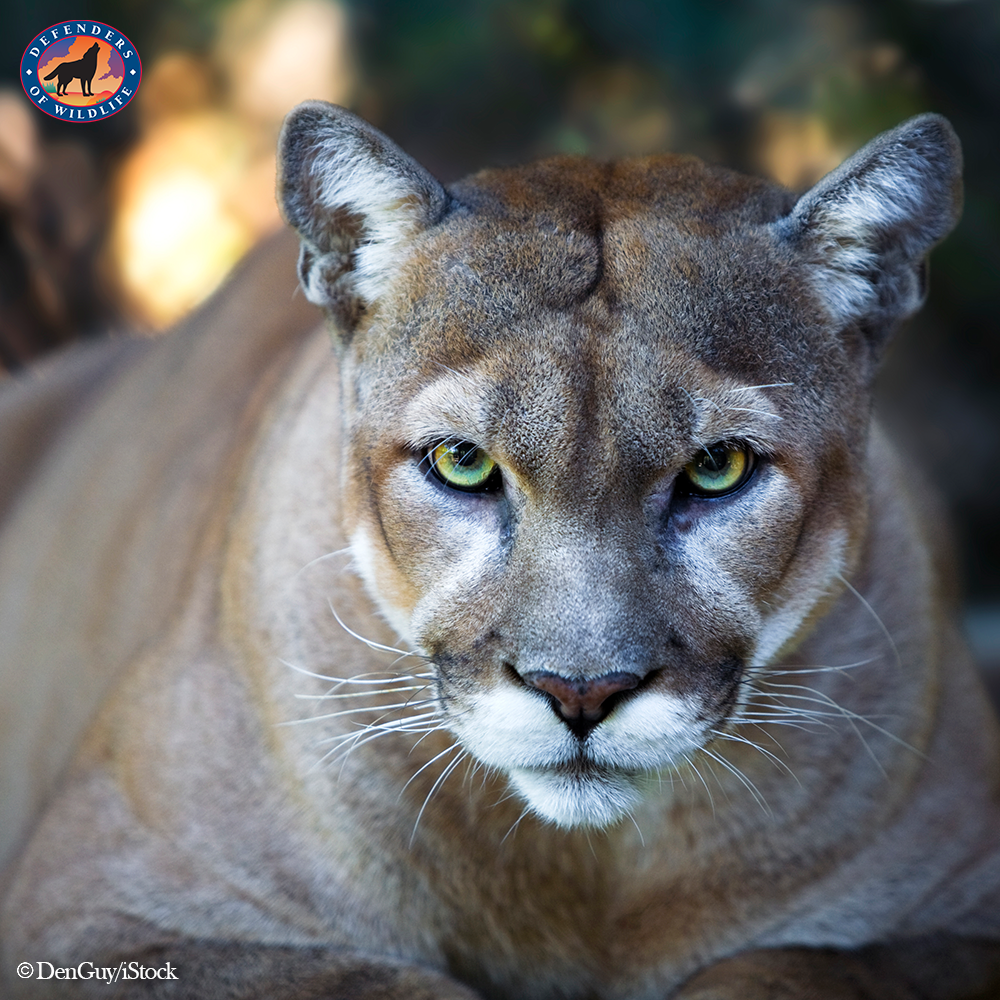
[356, 200]
[865, 229]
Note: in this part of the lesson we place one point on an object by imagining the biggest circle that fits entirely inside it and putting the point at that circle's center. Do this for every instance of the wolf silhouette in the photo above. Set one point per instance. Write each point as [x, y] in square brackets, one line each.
[82, 69]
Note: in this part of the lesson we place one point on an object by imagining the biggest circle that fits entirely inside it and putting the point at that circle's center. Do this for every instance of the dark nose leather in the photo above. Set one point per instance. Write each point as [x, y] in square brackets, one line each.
[582, 700]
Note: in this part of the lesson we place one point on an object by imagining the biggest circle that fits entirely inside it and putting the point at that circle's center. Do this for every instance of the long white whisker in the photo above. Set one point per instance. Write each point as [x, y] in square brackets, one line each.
[852, 718]
[333, 695]
[836, 711]
[516, 823]
[370, 643]
[766, 385]
[875, 615]
[821, 698]
[697, 772]
[437, 784]
[406, 720]
[642, 839]
[378, 676]
[780, 715]
[418, 724]
[830, 669]
[741, 777]
[721, 734]
[357, 711]
[319, 559]
[365, 694]
[348, 743]
[420, 770]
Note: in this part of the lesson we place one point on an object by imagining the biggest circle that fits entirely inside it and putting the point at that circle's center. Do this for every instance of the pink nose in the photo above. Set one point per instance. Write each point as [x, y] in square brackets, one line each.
[582, 699]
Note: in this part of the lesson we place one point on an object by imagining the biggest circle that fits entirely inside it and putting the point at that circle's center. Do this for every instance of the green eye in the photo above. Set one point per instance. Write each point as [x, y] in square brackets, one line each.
[720, 469]
[462, 466]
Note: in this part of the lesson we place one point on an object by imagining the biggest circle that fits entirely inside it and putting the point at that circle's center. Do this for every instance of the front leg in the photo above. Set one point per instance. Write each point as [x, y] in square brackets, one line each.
[938, 968]
[217, 971]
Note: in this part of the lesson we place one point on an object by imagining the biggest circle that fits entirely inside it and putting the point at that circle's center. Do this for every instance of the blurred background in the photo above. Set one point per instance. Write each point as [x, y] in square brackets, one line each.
[128, 223]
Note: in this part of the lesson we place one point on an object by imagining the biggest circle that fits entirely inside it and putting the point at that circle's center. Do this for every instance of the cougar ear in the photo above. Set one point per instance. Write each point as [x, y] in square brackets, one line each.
[866, 228]
[356, 200]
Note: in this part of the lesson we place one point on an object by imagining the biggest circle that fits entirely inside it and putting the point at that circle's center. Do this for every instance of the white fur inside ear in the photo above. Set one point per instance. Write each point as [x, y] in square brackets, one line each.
[866, 227]
[391, 212]
[850, 229]
[357, 200]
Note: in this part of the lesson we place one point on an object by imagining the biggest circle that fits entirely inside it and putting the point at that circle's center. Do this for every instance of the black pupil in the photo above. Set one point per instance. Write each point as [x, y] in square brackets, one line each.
[466, 454]
[716, 459]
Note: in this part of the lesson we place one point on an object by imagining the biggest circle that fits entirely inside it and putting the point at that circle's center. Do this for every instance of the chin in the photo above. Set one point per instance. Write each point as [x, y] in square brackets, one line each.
[571, 798]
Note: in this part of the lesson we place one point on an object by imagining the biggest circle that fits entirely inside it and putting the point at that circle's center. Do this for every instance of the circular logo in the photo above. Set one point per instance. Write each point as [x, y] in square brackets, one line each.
[80, 71]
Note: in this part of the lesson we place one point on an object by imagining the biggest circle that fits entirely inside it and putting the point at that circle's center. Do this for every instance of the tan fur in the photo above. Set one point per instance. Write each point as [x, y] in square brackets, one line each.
[219, 513]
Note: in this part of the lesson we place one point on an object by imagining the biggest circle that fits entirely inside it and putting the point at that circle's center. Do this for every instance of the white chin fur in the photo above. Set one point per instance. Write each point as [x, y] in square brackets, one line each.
[517, 733]
[597, 799]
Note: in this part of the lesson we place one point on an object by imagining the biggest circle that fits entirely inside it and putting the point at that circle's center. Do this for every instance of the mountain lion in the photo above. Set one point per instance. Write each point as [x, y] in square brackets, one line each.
[569, 630]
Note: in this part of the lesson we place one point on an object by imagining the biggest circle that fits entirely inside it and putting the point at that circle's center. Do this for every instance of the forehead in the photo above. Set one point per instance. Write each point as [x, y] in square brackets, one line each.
[681, 249]
[606, 290]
